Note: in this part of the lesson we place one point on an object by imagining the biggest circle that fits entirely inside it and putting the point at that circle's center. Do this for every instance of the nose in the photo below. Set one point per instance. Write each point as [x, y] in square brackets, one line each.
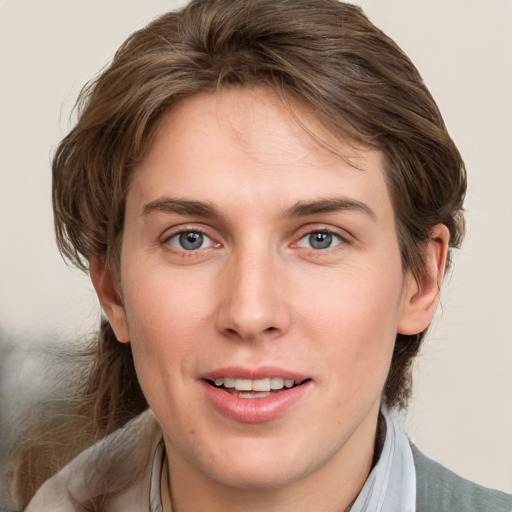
[253, 303]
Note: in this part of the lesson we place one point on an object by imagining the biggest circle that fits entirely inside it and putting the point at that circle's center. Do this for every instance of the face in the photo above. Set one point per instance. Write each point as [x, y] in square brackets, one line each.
[262, 291]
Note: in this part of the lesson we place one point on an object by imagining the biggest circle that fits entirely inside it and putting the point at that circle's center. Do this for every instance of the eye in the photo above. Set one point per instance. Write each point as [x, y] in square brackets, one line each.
[190, 240]
[320, 240]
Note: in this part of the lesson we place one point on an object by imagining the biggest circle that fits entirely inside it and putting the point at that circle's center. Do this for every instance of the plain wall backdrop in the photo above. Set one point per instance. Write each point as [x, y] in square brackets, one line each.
[461, 414]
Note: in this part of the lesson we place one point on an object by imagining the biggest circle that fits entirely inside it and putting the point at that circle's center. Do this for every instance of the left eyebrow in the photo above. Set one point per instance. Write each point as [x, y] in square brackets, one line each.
[330, 205]
[181, 207]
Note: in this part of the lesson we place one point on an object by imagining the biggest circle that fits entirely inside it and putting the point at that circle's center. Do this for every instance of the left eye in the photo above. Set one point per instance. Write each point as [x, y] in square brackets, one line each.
[320, 240]
[190, 240]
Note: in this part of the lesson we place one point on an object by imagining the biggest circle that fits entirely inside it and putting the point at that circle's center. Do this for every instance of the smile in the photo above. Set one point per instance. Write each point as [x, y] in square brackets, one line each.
[257, 388]
[254, 400]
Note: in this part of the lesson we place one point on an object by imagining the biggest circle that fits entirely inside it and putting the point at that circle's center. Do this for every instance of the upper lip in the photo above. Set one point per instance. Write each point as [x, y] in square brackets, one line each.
[261, 372]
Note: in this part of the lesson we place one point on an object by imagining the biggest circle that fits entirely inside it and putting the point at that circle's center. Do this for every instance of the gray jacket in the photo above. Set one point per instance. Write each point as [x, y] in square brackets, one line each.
[438, 490]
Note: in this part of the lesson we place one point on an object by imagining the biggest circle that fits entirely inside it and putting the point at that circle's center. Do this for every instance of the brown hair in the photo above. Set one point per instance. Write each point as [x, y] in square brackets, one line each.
[326, 54]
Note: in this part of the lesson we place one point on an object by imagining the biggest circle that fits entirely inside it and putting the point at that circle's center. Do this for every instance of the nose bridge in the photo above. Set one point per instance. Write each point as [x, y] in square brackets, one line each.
[253, 302]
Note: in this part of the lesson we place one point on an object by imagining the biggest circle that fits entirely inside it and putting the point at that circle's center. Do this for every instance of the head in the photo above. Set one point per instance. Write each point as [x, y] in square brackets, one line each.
[323, 56]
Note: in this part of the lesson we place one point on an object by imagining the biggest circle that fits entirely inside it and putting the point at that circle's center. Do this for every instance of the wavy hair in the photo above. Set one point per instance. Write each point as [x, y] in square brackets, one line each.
[324, 53]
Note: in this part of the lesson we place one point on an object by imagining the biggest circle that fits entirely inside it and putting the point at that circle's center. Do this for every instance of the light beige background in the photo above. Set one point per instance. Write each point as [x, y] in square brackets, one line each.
[462, 411]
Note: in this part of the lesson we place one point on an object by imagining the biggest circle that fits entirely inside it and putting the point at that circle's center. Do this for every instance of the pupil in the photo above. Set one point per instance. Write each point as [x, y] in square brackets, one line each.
[320, 240]
[191, 240]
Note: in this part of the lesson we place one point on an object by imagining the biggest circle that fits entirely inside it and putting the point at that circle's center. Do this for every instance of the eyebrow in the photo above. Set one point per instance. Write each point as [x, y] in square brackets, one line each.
[181, 207]
[299, 209]
[331, 205]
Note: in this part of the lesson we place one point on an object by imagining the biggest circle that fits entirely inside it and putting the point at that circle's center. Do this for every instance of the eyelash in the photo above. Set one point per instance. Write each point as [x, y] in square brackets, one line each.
[181, 250]
[333, 237]
[338, 238]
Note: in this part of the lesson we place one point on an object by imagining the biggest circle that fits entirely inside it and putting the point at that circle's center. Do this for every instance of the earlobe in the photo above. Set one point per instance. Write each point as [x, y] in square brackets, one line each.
[109, 297]
[421, 294]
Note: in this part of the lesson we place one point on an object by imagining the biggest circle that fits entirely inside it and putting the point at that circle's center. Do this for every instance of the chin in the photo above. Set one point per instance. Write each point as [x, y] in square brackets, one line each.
[259, 466]
[269, 476]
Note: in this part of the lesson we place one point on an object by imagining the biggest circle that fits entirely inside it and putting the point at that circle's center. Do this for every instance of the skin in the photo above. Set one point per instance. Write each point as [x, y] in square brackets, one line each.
[258, 293]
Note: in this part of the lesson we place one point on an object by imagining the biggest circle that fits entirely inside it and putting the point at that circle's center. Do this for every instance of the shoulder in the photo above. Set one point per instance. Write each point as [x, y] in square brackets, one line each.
[113, 472]
[438, 488]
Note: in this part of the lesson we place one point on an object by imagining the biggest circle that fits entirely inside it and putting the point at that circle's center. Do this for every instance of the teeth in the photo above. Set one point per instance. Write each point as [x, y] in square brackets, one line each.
[263, 385]
[245, 394]
[243, 385]
[228, 383]
[276, 383]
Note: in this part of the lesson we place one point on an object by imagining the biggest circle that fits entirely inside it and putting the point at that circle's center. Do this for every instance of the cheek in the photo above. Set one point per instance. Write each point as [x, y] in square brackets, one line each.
[153, 316]
[160, 302]
[169, 321]
[354, 321]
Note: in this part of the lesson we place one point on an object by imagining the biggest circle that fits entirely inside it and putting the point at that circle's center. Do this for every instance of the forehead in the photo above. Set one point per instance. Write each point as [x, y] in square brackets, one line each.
[247, 143]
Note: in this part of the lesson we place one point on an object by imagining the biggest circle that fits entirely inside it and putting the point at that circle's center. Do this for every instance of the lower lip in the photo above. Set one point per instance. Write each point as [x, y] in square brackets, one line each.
[254, 410]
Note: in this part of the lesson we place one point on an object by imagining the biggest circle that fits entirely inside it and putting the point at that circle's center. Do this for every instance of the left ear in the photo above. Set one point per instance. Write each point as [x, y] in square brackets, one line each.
[421, 294]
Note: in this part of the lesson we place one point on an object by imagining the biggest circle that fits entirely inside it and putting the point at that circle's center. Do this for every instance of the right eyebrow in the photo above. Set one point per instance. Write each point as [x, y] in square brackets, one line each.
[181, 207]
[329, 205]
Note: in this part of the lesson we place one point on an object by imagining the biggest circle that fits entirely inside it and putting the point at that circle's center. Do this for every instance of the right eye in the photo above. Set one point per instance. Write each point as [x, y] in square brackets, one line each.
[320, 240]
[190, 240]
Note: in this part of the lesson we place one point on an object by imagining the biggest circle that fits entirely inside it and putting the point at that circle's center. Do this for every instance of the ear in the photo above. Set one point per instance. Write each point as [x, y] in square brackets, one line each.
[421, 295]
[107, 290]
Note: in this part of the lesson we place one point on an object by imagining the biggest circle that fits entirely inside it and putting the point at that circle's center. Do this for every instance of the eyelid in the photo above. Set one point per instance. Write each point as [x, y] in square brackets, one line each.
[343, 234]
[343, 237]
[178, 230]
[307, 235]
[177, 236]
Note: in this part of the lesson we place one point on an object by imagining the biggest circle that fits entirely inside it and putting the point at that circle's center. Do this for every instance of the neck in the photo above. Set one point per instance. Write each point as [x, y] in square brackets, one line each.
[332, 487]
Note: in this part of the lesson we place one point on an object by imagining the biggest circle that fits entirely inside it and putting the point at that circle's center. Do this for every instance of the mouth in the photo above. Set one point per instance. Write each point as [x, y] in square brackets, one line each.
[255, 388]
[257, 395]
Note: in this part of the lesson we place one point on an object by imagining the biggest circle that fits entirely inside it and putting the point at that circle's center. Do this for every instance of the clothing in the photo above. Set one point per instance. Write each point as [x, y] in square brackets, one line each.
[436, 484]
[129, 465]
[123, 464]
[391, 485]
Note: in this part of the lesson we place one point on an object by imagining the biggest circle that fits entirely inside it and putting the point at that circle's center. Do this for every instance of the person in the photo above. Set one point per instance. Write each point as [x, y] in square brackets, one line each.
[266, 198]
